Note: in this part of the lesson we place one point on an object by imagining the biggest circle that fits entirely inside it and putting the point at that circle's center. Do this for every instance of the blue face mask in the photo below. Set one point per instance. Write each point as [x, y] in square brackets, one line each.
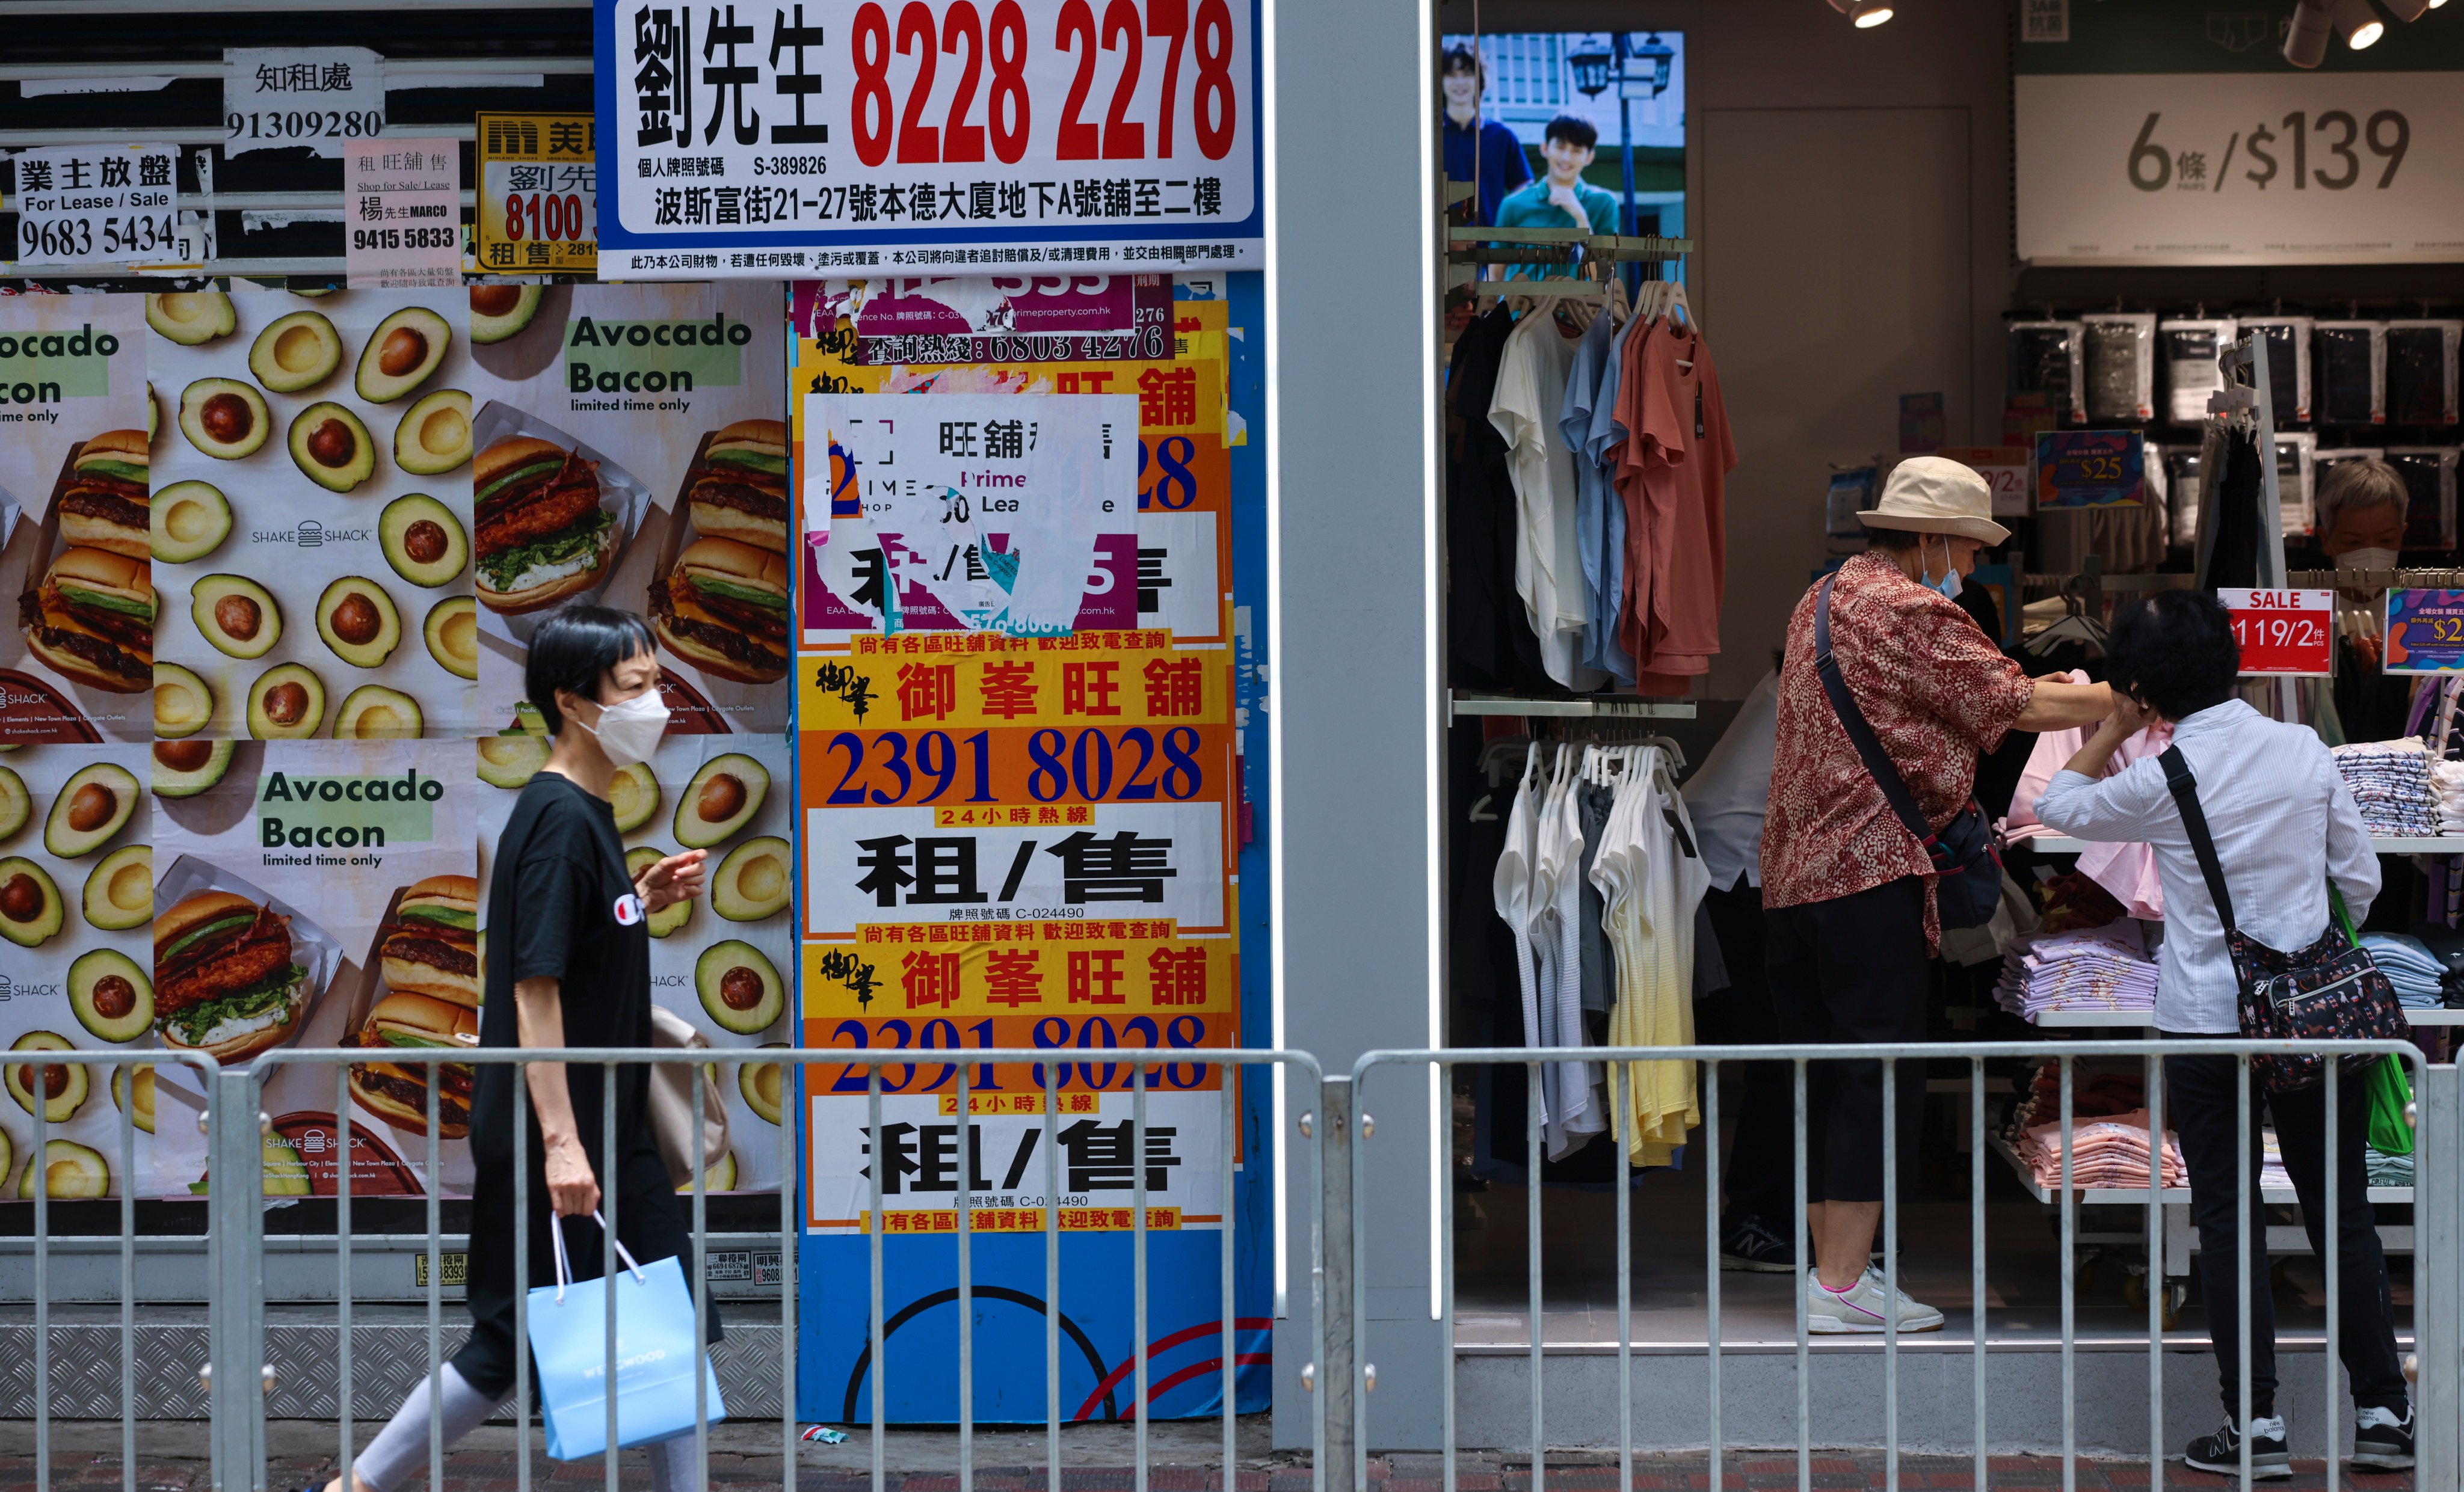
[1948, 584]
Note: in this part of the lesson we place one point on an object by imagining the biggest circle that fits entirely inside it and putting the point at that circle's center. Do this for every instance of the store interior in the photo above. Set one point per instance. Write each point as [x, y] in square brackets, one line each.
[1867, 303]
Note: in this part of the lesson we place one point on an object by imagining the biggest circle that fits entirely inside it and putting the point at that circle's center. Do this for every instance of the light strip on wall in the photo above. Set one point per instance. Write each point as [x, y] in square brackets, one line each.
[1274, 434]
[1432, 619]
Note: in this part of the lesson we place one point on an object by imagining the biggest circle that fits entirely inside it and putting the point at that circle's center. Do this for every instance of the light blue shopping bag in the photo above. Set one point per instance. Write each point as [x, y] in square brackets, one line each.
[656, 1348]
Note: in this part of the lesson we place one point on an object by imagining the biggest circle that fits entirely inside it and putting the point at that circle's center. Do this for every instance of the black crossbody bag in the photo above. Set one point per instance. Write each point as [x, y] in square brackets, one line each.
[2331, 991]
[1962, 852]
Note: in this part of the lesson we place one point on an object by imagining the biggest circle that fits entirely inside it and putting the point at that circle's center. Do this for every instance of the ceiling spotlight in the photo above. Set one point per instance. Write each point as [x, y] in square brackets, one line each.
[1869, 13]
[2360, 23]
[2305, 43]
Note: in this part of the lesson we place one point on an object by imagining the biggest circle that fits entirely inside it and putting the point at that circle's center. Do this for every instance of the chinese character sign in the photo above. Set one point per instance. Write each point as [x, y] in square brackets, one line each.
[2425, 631]
[538, 193]
[95, 205]
[749, 140]
[329, 100]
[403, 214]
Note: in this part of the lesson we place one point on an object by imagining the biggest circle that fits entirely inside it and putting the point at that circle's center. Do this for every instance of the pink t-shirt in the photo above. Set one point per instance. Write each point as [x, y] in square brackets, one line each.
[1672, 475]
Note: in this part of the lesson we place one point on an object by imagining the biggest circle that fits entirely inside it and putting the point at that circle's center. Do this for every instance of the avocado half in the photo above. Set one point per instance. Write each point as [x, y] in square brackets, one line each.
[237, 615]
[184, 704]
[721, 799]
[185, 768]
[753, 881]
[119, 889]
[500, 311]
[422, 539]
[764, 1084]
[374, 713]
[30, 902]
[112, 997]
[405, 347]
[190, 520]
[65, 1085]
[191, 316]
[452, 635]
[358, 620]
[293, 352]
[224, 417]
[633, 793]
[434, 434]
[739, 987]
[510, 761]
[143, 1115]
[720, 1178]
[153, 414]
[91, 808]
[287, 703]
[671, 917]
[70, 1170]
[17, 804]
[331, 446]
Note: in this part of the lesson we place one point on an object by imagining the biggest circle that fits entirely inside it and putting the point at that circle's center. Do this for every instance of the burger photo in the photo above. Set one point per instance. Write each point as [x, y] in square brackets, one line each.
[106, 504]
[543, 534]
[739, 489]
[433, 944]
[92, 618]
[397, 1091]
[723, 608]
[225, 981]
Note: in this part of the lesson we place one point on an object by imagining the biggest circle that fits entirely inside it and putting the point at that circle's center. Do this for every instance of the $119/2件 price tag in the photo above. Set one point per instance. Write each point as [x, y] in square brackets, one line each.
[95, 205]
[2283, 633]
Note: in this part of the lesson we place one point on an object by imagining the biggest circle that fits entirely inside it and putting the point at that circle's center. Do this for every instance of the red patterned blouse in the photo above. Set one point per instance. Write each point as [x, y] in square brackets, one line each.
[1937, 692]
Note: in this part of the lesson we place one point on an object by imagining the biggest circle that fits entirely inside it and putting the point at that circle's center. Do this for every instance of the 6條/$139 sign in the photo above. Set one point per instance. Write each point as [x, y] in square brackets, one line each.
[958, 137]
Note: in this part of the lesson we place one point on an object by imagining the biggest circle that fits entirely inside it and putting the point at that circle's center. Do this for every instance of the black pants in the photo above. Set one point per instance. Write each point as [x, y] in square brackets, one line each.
[1761, 1180]
[2199, 1107]
[1852, 969]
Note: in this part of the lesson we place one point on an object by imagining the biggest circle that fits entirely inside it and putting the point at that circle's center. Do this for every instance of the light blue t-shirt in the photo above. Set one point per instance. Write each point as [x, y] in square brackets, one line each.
[1589, 429]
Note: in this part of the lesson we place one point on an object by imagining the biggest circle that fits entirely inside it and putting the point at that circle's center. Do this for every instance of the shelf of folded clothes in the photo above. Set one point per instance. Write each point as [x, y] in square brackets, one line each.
[2384, 844]
[2137, 1196]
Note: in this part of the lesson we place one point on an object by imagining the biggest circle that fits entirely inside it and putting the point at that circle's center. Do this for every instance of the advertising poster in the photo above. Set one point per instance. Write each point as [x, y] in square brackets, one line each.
[2425, 631]
[312, 514]
[2090, 469]
[725, 960]
[1017, 834]
[320, 894]
[76, 655]
[538, 193]
[632, 451]
[77, 905]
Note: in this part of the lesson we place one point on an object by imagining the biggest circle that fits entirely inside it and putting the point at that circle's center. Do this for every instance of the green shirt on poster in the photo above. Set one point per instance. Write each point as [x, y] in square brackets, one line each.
[1529, 207]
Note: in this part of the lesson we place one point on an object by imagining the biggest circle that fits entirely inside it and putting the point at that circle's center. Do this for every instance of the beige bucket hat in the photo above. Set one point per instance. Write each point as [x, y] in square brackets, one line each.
[1931, 494]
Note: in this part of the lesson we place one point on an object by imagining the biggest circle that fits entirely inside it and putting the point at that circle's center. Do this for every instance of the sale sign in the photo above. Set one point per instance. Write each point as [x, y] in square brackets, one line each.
[2090, 469]
[2005, 469]
[2425, 631]
[854, 135]
[2283, 633]
[538, 193]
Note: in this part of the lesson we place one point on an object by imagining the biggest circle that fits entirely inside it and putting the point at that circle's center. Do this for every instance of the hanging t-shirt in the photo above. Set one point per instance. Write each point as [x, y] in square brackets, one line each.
[1672, 476]
[1547, 563]
[1593, 498]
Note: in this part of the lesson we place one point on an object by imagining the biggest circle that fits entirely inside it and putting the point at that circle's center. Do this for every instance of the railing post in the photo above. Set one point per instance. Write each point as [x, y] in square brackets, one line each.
[1336, 1375]
[2438, 1238]
[235, 1184]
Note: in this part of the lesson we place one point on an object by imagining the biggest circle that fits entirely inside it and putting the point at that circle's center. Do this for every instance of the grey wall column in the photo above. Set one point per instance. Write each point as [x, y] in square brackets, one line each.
[1351, 437]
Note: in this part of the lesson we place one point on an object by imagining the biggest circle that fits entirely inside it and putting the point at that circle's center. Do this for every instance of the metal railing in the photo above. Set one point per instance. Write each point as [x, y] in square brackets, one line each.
[2436, 1283]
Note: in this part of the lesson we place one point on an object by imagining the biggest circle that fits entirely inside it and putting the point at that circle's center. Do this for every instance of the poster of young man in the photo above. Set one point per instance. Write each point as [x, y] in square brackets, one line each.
[632, 451]
[77, 654]
[311, 524]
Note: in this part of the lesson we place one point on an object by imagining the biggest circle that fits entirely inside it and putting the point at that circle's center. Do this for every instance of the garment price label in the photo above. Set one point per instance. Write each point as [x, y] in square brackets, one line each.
[2283, 633]
[403, 224]
[538, 193]
[2090, 469]
[322, 97]
[95, 205]
[2425, 631]
[853, 135]
[2005, 469]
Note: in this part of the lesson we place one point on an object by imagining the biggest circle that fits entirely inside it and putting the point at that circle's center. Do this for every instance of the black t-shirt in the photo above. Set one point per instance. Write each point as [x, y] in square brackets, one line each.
[560, 905]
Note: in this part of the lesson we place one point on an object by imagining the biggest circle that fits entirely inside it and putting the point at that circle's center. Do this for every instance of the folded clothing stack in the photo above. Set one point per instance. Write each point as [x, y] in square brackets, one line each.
[2409, 966]
[2446, 786]
[2271, 1174]
[2110, 1152]
[2390, 780]
[2101, 969]
[2387, 1170]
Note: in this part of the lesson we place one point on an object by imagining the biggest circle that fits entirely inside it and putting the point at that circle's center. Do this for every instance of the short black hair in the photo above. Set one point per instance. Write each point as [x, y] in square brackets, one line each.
[573, 649]
[2174, 652]
[1573, 129]
[1461, 59]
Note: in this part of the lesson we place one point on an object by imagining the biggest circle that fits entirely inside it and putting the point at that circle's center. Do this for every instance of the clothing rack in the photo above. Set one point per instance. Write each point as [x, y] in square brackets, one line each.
[1628, 707]
[2425, 579]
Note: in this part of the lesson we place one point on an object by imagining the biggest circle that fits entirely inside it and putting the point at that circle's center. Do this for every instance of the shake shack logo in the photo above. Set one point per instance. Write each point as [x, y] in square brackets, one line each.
[18, 989]
[309, 535]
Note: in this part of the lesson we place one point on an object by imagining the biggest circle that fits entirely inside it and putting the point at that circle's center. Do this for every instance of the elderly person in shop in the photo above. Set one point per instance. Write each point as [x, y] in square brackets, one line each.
[2361, 508]
[2284, 826]
[1848, 891]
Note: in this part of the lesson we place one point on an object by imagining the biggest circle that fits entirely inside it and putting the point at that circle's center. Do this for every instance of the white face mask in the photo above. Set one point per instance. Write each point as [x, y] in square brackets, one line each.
[628, 732]
[2367, 559]
[1949, 582]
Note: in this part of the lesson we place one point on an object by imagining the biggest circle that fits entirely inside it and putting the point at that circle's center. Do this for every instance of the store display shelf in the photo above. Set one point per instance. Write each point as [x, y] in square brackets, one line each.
[2441, 844]
[1609, 708]
[2137, 1196]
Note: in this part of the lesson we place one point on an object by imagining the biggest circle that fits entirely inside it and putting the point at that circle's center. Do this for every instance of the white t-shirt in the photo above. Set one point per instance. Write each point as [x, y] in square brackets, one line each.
[1729, 795]
[1548, 556]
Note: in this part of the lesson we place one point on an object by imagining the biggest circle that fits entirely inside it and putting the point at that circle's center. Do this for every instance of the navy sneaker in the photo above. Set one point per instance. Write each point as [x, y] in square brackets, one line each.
[1747, 1243]
[2383, 1439]
[2269, 1459]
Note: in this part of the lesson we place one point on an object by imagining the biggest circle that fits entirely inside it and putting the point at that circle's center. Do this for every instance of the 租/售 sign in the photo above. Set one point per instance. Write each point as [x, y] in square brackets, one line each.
[963, 135]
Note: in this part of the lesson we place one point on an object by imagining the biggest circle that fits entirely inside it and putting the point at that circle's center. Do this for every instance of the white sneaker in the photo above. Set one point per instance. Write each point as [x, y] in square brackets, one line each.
[1861, 1307]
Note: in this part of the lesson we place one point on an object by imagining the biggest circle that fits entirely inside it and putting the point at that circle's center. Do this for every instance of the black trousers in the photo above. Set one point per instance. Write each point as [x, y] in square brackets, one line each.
[1761, 1179]
[1852, 969]
[2199, 1107]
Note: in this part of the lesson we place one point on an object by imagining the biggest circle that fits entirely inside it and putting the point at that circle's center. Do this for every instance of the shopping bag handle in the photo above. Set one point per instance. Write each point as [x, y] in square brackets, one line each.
[565, 1268]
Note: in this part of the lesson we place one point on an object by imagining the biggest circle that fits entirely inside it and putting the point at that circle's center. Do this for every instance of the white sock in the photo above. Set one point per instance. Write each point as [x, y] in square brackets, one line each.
[400, 1450]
